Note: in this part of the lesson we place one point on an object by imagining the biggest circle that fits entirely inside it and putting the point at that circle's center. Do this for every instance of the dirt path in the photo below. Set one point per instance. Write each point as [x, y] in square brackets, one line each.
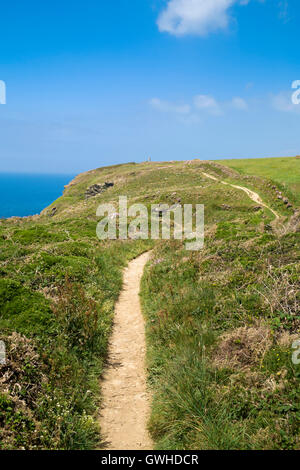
[125, 409]
[254, 196]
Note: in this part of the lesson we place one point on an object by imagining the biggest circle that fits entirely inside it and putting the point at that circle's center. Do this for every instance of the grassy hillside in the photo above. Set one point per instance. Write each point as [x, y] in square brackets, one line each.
[220, 322]
[220, 327]
[285, 171]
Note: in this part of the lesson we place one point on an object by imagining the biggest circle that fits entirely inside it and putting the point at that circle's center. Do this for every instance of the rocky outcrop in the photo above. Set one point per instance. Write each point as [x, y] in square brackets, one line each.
[225, 207]
[281, 197]
[97, 189]
[162, 209]
[53, 212]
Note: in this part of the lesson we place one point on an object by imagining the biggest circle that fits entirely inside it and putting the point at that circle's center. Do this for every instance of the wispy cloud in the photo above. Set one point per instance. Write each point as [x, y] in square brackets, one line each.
[207, 103]
[283, 6]
[166, 106]
[283, 102]
[200, 106]
[198, 17]
[239, 103]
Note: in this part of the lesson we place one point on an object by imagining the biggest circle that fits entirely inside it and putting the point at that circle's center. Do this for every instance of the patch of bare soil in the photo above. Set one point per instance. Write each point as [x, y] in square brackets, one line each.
[125, 409]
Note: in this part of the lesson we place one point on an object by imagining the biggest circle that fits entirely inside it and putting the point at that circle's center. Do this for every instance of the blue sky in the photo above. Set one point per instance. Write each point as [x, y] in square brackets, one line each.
[107, 81]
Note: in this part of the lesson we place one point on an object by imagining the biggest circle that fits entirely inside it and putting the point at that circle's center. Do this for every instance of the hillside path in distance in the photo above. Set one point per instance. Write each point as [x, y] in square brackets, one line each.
[126, 405]
[254, 196]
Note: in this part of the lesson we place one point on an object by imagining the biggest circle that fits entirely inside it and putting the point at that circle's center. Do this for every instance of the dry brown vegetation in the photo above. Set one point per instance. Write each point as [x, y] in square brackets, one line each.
[243, 346]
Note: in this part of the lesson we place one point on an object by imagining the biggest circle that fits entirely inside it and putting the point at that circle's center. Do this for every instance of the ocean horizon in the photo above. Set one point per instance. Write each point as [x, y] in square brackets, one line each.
[28, 194]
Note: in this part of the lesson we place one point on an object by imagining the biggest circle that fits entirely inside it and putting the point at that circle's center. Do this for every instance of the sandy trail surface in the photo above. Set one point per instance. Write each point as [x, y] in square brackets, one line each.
[126, 405]
[254, 196]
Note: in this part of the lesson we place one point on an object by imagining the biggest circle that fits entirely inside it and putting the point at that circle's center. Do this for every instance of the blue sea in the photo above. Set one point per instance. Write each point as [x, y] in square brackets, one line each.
[29, 194]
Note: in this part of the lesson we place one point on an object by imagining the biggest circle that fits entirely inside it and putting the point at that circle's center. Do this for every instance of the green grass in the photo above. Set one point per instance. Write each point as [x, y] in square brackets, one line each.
[68, 332]
[285, 171]
[224, 392]
[58, 288]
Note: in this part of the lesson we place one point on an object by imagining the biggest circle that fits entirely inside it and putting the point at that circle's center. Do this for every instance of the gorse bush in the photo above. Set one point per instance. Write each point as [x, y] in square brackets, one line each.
[23, 310]
[77, 316]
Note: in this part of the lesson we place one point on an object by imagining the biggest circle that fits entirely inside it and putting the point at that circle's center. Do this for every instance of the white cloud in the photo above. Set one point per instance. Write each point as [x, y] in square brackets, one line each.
[239, 103]
[199, 17]
[207, 103]
[283, 102]
[166, 106]
[201, 105]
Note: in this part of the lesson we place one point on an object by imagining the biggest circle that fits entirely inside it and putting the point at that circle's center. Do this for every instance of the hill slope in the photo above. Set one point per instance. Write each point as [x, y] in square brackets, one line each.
[218, 319]
[285, 171]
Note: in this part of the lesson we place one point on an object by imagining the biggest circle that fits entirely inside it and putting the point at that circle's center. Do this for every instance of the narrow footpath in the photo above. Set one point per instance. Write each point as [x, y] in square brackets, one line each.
[126, 405]
[254, 196]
